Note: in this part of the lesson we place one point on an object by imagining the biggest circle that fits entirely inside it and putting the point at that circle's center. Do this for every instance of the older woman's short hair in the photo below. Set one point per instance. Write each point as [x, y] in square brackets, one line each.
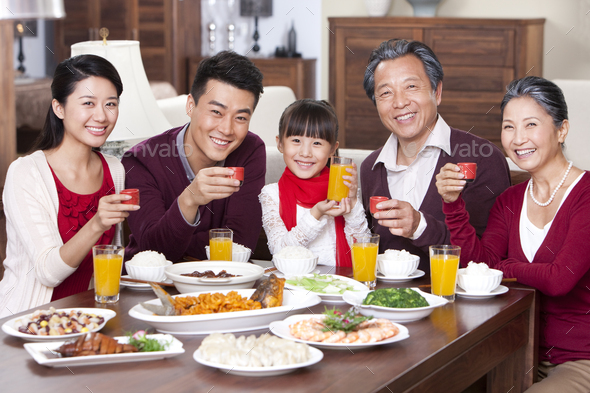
[396, 48]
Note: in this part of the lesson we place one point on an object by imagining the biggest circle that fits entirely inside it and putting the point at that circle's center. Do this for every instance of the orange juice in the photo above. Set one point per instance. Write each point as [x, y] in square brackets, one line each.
[107, 272]
[364, 261]
[337, 190]
[443, 272]
[220, 249]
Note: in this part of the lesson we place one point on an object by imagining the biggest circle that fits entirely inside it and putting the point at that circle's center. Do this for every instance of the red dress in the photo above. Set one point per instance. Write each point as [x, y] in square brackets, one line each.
[74, 212]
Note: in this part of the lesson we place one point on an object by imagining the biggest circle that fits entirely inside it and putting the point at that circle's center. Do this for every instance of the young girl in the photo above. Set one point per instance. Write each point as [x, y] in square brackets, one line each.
[295, 211]
[61, 200]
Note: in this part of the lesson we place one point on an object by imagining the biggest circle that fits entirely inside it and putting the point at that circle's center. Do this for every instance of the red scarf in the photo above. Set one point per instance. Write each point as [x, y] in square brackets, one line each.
[307, 193]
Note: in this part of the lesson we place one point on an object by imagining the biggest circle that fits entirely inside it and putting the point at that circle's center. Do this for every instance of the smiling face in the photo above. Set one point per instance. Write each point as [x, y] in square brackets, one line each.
[90, 112]
[305, 156]
[529, 135]
[219, 123]
[406, 103]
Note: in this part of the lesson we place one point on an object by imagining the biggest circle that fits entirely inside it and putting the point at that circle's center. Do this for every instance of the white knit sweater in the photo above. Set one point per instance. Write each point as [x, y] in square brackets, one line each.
[33, 265]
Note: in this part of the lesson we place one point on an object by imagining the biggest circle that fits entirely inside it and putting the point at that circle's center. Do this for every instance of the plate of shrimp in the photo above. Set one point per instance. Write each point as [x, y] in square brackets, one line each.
[308, 328]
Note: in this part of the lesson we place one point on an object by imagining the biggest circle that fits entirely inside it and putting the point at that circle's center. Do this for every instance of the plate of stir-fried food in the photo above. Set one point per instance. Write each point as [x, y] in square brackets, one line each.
[222, 311]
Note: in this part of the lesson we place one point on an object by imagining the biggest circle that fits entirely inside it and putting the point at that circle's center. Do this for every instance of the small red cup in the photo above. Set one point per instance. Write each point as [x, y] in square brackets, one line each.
[468, 169]
[238, 173]
[134, 192]
[374, 201]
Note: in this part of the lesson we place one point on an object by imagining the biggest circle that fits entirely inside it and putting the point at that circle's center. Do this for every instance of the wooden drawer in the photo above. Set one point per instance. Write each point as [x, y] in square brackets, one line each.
[476, 79]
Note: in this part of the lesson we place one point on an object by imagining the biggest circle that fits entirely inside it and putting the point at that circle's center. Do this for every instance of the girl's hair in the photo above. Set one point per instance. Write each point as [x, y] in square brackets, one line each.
[310, 118]
[67, 75]
[545, 93]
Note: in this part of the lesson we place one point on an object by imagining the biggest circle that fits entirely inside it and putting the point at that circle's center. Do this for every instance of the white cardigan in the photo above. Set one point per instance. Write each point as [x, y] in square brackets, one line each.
[33, 265]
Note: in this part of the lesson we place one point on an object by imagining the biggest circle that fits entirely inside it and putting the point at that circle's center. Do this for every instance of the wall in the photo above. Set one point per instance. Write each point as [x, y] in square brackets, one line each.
[305, 14]
[566, 38]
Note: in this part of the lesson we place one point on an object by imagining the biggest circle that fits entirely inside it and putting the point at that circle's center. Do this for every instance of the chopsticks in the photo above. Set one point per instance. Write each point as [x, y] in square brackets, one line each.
[504, 280]
[162, 284]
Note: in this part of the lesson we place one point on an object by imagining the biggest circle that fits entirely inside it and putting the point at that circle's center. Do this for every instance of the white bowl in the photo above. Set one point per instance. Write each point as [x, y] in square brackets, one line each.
[236, 256]
[248, 273]
[393, 268]
[475, 284]
[147, 273]
[295, 267]
[394, 314]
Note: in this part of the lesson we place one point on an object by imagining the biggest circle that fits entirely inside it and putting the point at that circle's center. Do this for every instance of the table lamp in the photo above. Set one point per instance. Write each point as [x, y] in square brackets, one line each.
[139, 114]
[11, 10]
[256, 8]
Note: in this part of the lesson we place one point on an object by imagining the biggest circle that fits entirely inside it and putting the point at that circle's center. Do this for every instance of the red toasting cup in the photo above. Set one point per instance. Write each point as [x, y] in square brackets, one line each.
[468, 169]
[238, 173]
[374, 201]
[134, 192]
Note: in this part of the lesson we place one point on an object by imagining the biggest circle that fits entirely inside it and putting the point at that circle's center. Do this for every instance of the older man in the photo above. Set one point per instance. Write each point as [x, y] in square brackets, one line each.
[404, 81]
[183, 175]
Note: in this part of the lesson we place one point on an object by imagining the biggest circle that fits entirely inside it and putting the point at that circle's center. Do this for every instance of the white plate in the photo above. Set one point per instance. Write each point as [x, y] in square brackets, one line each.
[316, 356]
[281, 275]
[330, 298]
[248, 274]
[42, 353]
[498, 291]
[139, 286]
[281, 329]
[9, 329]
[226, 322]
[416, 274]
[395, 314]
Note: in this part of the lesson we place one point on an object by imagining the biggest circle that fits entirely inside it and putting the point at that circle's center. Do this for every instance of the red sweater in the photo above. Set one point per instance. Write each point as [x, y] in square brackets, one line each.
[560, 269]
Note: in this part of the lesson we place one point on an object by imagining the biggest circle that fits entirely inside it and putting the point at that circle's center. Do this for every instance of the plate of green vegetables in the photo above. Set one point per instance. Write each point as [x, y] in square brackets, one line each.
[329, 287]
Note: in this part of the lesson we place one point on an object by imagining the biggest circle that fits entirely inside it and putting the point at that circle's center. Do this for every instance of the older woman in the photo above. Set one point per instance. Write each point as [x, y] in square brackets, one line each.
[538, 231]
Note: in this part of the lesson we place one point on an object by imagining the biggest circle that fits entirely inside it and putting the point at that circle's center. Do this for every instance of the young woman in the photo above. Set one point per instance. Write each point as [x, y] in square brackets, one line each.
[62, 199]
[295, 211]
[537, 231]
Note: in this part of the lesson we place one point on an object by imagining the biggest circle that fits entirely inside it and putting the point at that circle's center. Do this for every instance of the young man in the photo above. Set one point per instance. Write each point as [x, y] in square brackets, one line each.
[404, 81]
[183, 175]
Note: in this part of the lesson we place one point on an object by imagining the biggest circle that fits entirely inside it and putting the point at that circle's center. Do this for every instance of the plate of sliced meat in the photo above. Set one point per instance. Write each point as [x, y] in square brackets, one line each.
[100, 349]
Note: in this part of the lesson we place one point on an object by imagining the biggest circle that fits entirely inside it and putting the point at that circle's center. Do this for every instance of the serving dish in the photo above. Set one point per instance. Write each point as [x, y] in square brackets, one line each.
[281, 329]
[498, 291]
[316, 356]
[329, 298]
[249, 273]
[139, 286]
[8, 326]
[395, 314]
[227, 322]
[44, 355]
[418, 273]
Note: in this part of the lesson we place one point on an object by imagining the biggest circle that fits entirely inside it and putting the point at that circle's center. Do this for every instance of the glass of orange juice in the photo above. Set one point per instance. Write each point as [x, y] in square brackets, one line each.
[444, 263]
[337, 190]
[364, 259]
[108, 261]
[220, 244]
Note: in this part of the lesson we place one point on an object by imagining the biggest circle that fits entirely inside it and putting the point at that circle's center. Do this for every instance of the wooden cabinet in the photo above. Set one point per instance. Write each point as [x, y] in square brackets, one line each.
[479, 58]
[168, 31]
[298, 74]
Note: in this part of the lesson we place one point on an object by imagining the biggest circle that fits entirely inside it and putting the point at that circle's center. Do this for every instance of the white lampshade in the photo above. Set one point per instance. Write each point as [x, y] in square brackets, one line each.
[139, 114]
[32, 9]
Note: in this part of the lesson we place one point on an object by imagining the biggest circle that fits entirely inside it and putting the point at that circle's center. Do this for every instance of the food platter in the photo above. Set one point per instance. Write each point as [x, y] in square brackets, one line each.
[326, 297]
[8, 326]
[237, 321]
[248, 274]
[139, 286]
[498, 291]
[316, 356]
[281, 329]
[417, 274]
[42, 353]
[395, 314]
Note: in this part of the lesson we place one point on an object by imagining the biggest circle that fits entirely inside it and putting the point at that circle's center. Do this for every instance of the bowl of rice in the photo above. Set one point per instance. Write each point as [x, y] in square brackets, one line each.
[147, 266]
[295, 261]
[478, 278]
[395, 263]
[239, 253]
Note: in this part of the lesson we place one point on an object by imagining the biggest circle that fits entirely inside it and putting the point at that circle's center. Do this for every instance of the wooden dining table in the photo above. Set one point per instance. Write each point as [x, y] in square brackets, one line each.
[460, 343]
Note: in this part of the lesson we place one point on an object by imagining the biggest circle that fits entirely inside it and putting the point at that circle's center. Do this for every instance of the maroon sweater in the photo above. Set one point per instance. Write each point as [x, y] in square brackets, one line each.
[560, 269]
[493, 177]
[155, 168]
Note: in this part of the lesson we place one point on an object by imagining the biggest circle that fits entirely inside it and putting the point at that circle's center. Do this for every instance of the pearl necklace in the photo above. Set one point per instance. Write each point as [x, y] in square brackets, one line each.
[554, 191]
